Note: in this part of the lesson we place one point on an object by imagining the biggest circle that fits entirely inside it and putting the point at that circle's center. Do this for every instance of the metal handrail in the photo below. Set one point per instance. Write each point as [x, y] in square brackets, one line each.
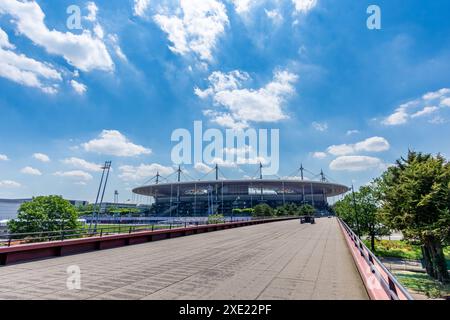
[390, 285]
[61, 235]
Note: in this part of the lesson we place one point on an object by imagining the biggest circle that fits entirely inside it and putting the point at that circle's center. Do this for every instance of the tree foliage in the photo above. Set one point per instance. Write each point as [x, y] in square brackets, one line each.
[263, 210]
[45, 213]
[416, 200]
[361, 211]
[306, 210]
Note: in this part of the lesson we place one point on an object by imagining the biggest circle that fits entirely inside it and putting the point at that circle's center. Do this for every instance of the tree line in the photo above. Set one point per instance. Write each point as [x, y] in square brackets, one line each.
[411, 196]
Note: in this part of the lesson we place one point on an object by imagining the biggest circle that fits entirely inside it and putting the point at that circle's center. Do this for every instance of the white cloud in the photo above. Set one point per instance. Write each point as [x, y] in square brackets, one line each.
[239, 106]
[201, 167]
[143, 171]
[373, 144]
[24, 70]
[140, 6]
[4, 40]
[41, 157]
[400, 116]
[112, 142]
[304, 6]
[76, 174]
[350, 132]
[82, 164]
[243, 6]
[83, 51]
[9, 184]
[425, 111]
[3, 157]
[445, 102]
[274, 15]
[320, 126]
[419, 107]
[78, 87]
[194, 27]
[436, 94]
[319, 155]
[31, 171]
[93, 9]
[355, 163]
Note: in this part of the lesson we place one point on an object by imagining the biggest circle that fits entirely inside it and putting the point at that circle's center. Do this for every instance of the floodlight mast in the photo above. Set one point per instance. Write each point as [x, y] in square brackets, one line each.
[101, 189]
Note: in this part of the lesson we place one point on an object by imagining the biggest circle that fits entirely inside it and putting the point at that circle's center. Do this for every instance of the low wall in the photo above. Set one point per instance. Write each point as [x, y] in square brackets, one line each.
[33, 251]
[378, 281]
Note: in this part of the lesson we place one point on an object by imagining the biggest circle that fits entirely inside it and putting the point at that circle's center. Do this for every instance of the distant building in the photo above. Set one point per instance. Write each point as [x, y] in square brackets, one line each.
[9, 207]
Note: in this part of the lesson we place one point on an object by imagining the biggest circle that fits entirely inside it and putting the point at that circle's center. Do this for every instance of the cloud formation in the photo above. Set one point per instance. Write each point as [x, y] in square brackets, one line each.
[355, 163]
[41, 157]
[194, 26]
[237, 106]
[31, 171]
[143, 171]
[75, 174]
[9, 184]
[24, 70]
[373, 144]
[82, 164]
[430, 103]
[114, 143]
[83, 51]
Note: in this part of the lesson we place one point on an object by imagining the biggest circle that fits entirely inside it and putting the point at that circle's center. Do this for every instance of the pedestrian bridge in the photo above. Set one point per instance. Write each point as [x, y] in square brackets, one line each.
[278, 260]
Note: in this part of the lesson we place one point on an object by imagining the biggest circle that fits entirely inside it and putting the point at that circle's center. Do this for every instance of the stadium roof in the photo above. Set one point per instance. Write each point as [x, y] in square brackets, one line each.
[295, 186]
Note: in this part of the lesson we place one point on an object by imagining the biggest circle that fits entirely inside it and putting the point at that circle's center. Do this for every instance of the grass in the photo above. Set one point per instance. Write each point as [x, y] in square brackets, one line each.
[400, 249]
[423, 284]
[125, 228]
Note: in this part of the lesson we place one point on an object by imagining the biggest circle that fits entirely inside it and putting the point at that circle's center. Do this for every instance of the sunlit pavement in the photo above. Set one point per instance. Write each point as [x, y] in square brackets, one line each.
[281, 260]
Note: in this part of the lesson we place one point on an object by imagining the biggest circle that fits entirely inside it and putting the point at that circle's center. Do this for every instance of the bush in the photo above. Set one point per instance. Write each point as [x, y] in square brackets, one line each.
[306, 210]
[216, 218]
[263, 210]
[42, 214]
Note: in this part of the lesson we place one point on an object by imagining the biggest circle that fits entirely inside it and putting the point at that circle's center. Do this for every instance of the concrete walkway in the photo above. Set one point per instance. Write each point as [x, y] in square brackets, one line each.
[280, 260]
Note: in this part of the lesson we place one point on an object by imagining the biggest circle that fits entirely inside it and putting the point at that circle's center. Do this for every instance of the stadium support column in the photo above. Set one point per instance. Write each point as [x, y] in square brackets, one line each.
[178, 191]
[216, 196]
[260, 178]
[301, 171]
[284, 198]
[312, 194]
[303, 196]
[195, 199]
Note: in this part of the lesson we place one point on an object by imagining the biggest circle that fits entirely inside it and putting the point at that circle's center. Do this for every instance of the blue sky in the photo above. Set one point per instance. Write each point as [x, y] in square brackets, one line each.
[345, 98]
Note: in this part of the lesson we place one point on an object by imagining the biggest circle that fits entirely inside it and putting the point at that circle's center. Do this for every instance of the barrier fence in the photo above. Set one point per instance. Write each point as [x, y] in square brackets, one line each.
[30, 246]
[379, 282]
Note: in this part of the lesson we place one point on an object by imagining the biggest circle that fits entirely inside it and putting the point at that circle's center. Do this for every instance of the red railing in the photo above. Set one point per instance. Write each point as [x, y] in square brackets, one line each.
[379, 282]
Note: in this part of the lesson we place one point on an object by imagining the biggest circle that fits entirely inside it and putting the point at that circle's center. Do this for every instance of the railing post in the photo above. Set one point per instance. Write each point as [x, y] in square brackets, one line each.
[9, 241]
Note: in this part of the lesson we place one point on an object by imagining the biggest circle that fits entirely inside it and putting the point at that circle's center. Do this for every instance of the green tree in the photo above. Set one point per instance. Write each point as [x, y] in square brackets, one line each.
[361, 211]
[416, 200]
[306, 210]
[263, 210]
[45, 213]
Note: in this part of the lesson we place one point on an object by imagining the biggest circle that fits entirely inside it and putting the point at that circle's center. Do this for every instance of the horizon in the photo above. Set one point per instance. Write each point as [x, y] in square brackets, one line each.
[117, 83]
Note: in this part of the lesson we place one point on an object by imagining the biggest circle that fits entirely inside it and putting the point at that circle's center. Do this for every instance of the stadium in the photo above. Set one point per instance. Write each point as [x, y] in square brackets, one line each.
[198, 197]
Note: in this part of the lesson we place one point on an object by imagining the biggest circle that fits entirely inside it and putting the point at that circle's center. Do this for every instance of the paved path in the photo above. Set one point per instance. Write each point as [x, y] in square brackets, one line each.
[280, 260]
